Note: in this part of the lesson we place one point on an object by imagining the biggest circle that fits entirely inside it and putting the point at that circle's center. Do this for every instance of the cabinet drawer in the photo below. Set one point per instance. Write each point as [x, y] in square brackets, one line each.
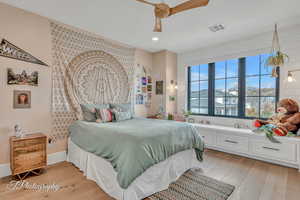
[284, 151]
[232, 142]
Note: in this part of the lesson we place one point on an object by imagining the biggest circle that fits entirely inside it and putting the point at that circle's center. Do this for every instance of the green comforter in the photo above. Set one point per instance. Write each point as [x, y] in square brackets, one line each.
[132, 146]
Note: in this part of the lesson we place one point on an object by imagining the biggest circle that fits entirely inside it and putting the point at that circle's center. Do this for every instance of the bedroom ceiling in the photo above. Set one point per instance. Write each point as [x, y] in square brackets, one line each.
[131, 22]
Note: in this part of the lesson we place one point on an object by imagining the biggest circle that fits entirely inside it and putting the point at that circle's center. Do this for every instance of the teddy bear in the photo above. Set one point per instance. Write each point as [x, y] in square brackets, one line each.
[285, 121]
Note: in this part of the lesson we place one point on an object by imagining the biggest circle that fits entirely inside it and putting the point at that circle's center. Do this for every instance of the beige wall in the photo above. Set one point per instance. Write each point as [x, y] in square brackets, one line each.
[164, 68]
[158, 71]
[32, 34]
[171, 74]
[143, 58]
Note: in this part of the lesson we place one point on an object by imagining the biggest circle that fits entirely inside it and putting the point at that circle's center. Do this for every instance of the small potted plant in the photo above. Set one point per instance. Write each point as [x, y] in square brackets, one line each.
[170, 116]
[186, 114]
[277, 58]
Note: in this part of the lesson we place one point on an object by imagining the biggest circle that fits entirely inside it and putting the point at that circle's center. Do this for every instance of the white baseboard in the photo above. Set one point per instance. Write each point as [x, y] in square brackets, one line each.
[52, 159]
[4, 170]
[57, 157]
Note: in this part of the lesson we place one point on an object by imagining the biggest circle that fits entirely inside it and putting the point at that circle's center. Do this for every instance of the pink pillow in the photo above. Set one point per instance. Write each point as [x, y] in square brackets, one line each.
[104, 115]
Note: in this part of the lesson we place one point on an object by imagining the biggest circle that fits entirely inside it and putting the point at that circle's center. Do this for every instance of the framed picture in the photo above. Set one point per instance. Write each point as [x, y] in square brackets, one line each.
[139, 99]
[144, 89]
[149, 88]
[144, 81]
[22, 99]
[149, 80]
[22, 77]
[159, 87]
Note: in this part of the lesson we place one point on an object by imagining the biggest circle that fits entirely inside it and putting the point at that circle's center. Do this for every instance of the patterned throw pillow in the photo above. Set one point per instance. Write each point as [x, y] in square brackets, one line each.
[123, 107]
[89, 111]
[104, 115]
[121, 116]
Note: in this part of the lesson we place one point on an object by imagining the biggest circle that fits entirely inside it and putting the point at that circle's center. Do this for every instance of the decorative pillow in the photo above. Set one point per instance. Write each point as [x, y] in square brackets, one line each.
[121, 116]
[89, 111]
[104, 115]
[122, 107]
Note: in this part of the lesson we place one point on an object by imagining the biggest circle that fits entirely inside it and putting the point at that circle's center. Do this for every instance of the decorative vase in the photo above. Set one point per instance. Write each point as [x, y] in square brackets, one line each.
[18, 131]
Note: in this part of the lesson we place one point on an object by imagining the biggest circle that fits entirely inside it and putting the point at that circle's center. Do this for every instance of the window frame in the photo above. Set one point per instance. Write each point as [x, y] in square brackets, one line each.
[241, 89]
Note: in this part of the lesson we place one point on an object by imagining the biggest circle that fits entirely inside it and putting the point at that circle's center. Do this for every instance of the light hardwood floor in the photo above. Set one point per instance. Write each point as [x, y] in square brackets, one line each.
[254, 180]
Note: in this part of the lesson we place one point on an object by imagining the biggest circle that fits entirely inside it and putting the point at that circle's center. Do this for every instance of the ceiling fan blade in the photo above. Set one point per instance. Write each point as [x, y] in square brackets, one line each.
[158, 25]
[188, 5]
[146, 2]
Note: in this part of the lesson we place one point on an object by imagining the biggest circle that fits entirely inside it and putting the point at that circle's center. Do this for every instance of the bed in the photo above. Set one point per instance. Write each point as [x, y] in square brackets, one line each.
[135, 158]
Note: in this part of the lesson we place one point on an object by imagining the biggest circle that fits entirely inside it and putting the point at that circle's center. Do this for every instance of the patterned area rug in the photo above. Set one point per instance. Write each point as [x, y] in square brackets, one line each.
[194, 186]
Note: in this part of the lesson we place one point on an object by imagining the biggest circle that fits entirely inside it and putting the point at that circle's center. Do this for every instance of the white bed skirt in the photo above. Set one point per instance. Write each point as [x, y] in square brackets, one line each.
[154, 179]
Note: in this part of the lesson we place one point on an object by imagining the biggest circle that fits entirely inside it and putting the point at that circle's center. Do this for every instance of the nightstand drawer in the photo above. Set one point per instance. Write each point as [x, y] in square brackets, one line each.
[278, 151]
[30, 142]
[28, 149]
[29, 161]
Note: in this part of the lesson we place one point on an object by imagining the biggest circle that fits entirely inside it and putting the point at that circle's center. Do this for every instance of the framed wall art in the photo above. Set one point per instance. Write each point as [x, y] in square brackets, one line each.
[22, 99]
[149, 78]
[159, 90]
[22, 77]
[149, 88]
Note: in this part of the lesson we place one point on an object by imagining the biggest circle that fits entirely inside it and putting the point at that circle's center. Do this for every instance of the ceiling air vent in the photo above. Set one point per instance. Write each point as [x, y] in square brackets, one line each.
[217, 27]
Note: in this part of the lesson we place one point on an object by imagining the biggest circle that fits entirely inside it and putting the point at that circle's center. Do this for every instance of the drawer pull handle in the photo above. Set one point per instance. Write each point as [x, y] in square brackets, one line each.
[232, 142]
[270, 148]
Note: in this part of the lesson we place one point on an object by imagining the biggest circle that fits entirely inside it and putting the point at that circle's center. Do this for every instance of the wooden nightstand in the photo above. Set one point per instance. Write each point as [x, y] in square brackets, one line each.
[28, 154]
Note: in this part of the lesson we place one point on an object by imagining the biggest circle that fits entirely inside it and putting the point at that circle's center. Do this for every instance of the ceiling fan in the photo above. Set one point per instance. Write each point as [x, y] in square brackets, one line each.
[163, 10]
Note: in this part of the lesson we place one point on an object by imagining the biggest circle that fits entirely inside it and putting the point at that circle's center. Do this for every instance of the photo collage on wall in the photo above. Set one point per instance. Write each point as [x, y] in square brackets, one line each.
[143, 88]
[21, 77]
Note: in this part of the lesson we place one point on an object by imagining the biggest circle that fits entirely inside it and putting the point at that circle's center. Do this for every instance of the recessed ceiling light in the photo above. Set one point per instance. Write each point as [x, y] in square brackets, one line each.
[155, 39]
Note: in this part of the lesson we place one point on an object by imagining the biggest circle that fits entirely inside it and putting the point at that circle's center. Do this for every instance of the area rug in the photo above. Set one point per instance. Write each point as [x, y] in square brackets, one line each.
[194, 186]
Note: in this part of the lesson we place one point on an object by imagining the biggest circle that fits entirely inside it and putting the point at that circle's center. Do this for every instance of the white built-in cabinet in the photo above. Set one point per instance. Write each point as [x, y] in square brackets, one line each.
[246, 143]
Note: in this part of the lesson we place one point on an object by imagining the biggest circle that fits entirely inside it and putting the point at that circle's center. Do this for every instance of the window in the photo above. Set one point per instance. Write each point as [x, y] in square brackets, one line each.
[234, 88]
[199, 89]
[226, 88]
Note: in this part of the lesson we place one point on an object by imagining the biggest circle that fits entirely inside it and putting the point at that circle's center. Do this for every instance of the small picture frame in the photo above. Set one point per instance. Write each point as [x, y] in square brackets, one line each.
[22, 77]
[144, 89]
[144, 81]
[149, 88]
[149, 79]
[22, 99]
[159, 90]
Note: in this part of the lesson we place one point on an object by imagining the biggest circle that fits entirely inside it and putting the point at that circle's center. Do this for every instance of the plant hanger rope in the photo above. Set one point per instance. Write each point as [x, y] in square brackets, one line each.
[277, 58]
[275, 42]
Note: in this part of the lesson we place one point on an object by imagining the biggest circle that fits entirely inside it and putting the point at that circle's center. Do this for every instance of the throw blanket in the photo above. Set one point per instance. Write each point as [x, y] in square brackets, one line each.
[132, 146]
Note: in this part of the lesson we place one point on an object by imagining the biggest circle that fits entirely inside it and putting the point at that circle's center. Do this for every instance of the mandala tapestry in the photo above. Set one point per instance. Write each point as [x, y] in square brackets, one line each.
[86, 69]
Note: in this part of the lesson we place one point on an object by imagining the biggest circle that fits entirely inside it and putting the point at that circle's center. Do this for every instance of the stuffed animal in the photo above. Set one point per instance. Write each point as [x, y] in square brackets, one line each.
[285, 121]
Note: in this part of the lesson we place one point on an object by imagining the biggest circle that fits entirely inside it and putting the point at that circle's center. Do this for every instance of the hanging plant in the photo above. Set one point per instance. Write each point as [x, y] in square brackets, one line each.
[277, 58]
